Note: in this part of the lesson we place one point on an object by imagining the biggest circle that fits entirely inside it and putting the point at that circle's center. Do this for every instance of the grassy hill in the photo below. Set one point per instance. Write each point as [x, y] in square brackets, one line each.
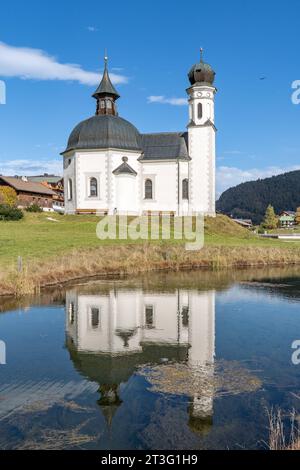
[250, 200]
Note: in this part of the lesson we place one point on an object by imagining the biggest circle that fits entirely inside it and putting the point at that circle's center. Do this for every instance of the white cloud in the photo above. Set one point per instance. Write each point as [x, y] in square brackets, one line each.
[227, 177]
[92, 29]
[163, 100]
[26, 167]
[27, 63]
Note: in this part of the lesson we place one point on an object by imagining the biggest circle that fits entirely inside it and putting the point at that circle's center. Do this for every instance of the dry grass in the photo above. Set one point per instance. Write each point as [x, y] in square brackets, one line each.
[59, 439]
[277, 434]
[121, 260]
[69, 250]
[219, 379]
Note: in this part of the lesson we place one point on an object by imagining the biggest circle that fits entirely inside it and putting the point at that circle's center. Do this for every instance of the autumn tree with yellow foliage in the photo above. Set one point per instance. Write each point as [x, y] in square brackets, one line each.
[8, 196]
[298, 216]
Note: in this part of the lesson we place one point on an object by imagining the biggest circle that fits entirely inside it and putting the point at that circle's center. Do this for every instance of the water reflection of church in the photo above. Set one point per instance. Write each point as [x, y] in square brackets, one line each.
[110, 333]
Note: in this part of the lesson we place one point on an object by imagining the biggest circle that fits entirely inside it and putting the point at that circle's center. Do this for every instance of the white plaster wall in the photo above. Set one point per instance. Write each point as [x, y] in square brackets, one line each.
[202, 151]
[165, 316]
[70, 173]
[91, 164]
[100, 164]
[125, 311]
[183, 174]
[202, 169]
[115, 160]
[127, 201]
[164, 178]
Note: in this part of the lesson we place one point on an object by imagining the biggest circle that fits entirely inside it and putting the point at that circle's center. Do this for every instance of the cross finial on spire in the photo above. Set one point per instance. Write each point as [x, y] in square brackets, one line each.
[201, 54]
[105, 57]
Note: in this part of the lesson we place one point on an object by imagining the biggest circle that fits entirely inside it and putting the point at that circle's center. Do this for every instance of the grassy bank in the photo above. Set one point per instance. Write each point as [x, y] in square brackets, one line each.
[56, 251]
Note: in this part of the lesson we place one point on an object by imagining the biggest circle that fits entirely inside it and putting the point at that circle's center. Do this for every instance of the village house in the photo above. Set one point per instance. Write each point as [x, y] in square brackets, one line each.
[247, 223]
[30, 192]
[56, 183]
[287, 219]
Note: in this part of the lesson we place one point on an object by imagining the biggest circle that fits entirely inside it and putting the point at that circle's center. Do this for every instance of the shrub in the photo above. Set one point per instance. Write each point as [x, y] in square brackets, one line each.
[8, 196]
[10, 213]
[261, 230]
[34, 208]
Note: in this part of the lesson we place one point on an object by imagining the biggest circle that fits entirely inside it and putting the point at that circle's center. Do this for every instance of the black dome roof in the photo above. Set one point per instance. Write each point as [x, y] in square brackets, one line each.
[104, 131]
[201, 73]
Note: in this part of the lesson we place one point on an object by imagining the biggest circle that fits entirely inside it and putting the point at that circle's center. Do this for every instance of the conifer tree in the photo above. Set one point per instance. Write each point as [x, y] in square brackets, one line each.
[270, 220]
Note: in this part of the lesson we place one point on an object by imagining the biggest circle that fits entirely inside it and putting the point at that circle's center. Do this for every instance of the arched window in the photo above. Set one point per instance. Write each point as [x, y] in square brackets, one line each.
[200, 113]
[102, 104]
[70, 190]
[185, 188]
[93, 187]
[71, 313]
[108, 104]
[95, 317]
[148, 189]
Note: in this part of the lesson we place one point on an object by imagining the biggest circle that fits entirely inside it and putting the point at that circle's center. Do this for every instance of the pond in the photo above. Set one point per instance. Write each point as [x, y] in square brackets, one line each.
[192, 360]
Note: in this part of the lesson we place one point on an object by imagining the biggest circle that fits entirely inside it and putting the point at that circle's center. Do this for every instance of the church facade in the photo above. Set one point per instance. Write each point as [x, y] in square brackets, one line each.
[111, 168]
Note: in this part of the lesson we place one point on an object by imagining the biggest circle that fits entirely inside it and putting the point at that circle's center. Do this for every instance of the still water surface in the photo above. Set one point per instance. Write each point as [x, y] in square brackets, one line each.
[169, 361]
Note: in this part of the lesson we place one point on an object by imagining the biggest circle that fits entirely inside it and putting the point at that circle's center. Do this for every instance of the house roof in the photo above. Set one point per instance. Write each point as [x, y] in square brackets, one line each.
[165, 146]
[291, 213]
[44, 179]
[26, 186]
[243, 221]
[287, 218]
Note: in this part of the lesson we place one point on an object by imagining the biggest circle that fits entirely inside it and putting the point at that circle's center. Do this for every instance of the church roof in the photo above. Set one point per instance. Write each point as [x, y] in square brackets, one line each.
[124, 169]
[102, 132]
[109, 131]
[165, 146]
[106, 87]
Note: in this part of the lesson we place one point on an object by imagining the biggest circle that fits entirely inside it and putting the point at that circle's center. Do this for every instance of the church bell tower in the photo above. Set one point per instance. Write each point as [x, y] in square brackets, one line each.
[106, 94]
[201, 138]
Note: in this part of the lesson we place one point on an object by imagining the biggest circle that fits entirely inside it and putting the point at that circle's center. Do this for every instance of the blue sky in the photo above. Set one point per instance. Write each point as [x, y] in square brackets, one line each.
[151, 46]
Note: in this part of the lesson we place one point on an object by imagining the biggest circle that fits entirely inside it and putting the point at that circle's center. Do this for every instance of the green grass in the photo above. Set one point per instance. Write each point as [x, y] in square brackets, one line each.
[36, 237]
[68, 248]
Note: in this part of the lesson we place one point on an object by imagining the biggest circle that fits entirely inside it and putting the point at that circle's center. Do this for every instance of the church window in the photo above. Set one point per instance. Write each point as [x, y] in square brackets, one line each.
[93, 187]
[70, 190]
[148, 189]
[71, 313]
[200, 113]
[95, 317]
[185, 316]
[108, 104]
[149, 316]
[102, 104]
[185, 188]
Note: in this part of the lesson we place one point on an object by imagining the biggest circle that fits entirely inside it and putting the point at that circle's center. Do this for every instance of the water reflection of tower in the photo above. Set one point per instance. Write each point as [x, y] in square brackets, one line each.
[110, 333]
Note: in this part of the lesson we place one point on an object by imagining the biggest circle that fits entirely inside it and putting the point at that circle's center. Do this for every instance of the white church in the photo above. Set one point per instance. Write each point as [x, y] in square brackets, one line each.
[110, 333]
[110, 168]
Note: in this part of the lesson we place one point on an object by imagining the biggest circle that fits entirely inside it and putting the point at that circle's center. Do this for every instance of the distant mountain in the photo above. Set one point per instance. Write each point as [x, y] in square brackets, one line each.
[250, 200]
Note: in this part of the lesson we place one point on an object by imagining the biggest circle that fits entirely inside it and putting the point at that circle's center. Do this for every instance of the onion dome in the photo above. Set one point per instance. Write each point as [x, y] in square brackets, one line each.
[201, 73]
